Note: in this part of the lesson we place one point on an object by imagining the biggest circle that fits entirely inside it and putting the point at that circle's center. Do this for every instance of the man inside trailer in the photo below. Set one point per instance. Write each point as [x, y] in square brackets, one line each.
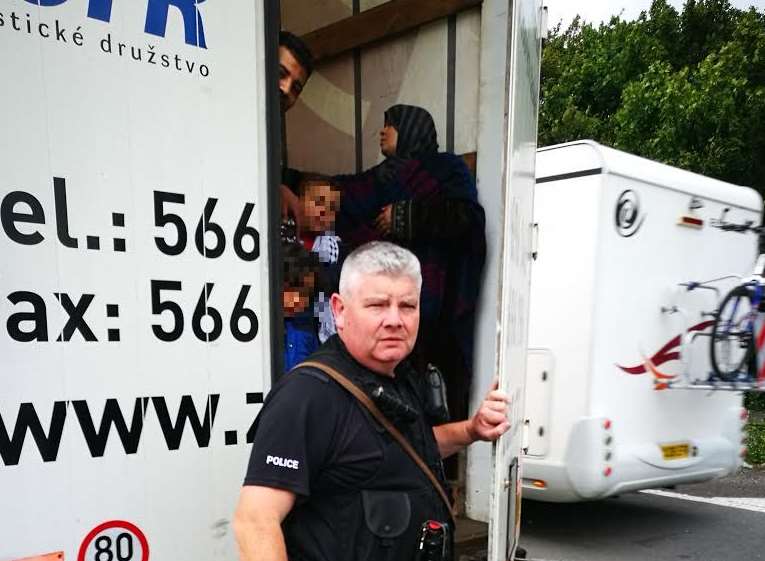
[295, 67]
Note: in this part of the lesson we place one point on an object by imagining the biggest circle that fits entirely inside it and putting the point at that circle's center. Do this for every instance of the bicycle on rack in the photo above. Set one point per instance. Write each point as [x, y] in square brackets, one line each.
[739, 318]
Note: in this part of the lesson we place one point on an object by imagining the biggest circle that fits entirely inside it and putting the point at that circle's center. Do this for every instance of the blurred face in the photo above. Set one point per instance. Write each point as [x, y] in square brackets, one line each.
[388, 140]
[295, 299]
[378, 320]
[292, 78]
[294, 302]
[320, 205]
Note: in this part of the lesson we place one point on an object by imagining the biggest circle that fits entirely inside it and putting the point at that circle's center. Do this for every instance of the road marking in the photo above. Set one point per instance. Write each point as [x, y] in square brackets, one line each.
[753, 504]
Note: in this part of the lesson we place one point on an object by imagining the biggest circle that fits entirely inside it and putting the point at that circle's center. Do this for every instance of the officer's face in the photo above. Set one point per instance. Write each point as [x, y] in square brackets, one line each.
[378, 319]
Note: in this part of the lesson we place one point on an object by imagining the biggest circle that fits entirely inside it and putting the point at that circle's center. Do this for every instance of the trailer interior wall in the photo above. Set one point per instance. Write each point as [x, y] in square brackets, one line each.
[320, 128]
[410, 69]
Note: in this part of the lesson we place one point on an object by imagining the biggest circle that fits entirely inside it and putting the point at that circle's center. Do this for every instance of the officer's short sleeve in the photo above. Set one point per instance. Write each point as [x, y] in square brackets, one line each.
[295, 431]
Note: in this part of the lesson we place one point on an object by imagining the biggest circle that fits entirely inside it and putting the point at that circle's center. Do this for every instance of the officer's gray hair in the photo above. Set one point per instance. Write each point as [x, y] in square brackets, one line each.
[379, 258]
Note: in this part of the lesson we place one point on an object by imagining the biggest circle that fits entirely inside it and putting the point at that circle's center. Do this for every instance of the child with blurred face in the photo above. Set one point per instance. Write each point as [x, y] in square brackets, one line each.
[300, 278]
[296, 299]
[320, 199]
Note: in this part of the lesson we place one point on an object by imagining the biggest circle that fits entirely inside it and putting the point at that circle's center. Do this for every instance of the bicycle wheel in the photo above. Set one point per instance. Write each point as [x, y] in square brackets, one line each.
[731, 348]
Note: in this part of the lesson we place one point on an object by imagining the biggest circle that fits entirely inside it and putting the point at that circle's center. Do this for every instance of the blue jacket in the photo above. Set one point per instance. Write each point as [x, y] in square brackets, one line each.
[300, 340]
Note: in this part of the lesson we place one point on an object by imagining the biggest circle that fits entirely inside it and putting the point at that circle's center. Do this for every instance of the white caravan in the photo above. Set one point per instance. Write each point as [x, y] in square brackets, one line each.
[139, 171]
[618, 236]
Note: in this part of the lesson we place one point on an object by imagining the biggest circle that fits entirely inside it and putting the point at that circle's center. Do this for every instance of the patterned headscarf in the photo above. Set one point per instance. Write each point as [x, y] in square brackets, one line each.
[416, 131]
[416, 138]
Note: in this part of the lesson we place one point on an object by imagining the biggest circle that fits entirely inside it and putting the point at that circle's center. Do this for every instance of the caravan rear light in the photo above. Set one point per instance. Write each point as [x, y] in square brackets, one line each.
[608, 471]
[690, 221]
[607, 424]
[608, 440]
[539, 484]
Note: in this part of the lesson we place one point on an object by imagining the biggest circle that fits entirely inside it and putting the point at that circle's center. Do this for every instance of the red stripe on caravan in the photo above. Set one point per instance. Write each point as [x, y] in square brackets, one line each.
[656, 373]
[634, 370]
[669, 346]
[663, 355]
[657, 360]
[691, 221]
[674, 342]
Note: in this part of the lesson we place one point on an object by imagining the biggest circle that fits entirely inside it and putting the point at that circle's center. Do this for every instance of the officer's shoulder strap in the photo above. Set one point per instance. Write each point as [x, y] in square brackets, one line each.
[313, 372]
[359, 394]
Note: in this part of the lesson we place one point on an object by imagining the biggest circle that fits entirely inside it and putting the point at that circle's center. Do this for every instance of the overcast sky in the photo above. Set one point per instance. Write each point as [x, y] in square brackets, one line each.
[596, 11]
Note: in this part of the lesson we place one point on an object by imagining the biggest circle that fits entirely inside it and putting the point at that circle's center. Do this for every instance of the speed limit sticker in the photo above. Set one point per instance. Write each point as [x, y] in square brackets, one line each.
[115, 540]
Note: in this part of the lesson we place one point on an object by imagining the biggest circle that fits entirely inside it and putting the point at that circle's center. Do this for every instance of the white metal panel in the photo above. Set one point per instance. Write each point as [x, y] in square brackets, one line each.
[540, 373]
[584, 155]
[520, 74]
[563, 297]
[568, 158]
[118, 124]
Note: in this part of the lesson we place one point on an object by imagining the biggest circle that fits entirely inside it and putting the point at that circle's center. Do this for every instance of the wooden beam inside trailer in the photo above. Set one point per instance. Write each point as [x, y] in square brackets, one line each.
[379, 23]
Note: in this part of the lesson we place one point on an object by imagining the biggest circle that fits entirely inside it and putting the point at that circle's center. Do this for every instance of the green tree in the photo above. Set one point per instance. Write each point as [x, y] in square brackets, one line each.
[685, 88]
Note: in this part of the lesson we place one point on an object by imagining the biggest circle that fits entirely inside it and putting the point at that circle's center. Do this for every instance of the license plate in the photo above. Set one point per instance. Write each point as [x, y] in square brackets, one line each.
[675, 451]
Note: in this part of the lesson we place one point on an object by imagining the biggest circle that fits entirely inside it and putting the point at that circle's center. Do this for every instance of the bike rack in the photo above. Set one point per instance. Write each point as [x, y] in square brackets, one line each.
[717, 385]
[684, 380]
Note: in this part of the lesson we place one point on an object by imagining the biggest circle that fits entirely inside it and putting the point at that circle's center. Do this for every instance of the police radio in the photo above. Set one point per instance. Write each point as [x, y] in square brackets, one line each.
[434, 542]
[392, 407]
[435, 396]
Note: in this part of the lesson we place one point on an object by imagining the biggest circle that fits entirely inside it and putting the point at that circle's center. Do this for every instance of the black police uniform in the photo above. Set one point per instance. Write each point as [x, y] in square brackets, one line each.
[359, 496]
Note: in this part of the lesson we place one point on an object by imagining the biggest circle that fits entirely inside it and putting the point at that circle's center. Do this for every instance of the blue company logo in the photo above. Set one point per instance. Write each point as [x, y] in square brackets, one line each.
[156, 16]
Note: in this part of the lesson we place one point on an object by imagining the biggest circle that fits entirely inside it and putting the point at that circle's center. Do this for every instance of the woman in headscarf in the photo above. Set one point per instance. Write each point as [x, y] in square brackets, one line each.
[425, 200]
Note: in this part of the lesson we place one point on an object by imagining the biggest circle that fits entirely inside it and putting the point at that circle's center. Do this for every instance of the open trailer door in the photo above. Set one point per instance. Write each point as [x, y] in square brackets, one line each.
[135, 332]
[522, 24]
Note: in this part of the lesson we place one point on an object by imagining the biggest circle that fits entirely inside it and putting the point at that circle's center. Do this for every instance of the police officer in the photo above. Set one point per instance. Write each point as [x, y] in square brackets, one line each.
[325, 481]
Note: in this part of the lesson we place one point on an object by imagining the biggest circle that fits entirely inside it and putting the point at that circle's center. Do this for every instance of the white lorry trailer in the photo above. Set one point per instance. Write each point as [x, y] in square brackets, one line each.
[139, 171]
[618, 237]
